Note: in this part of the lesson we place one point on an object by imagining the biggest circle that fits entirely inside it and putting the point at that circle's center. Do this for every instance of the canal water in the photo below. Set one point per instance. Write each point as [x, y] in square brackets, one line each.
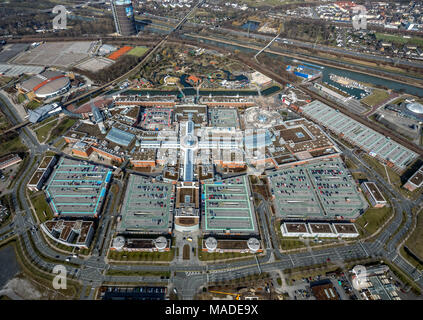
[9, 266]
[205, 92]
[375, 80]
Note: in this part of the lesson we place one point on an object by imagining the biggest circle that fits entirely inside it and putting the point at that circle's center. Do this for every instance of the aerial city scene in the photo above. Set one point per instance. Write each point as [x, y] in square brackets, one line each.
[211, 150]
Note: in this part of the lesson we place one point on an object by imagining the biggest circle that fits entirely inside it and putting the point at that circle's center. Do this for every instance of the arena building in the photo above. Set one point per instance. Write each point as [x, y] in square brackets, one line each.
[408, 109]
[46, 85]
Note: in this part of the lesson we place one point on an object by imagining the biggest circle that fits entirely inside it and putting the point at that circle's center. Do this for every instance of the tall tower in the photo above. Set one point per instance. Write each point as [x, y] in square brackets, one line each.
[123, 14]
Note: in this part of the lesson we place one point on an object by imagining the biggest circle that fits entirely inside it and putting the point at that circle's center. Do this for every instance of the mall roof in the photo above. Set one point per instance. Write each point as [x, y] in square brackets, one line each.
[120, 137]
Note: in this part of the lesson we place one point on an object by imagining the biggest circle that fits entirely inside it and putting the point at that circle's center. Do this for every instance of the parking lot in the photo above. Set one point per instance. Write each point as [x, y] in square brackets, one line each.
[77, 188]
[147, 206]
[223, 117]
[228, 208]
[322, 189]
[61, 54]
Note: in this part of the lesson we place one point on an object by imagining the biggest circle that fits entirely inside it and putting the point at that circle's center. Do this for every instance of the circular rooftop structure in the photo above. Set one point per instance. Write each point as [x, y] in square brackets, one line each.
[189, 141]
[262, 118]
[257, 117]
[160, 243]
[415, 107]
[211, 243]
[253, 244]
[118, 242]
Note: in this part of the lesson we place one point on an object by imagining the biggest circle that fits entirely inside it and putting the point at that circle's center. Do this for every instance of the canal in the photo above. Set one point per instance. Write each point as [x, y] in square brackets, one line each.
[357, 76]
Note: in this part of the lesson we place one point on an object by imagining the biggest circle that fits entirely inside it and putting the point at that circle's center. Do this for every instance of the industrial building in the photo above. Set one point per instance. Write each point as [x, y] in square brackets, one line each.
[77, 189]
[376, 144]
[147, 207]
[374, 195]
[320, 189]
[377, 284]
[45, 85]
[123, 14]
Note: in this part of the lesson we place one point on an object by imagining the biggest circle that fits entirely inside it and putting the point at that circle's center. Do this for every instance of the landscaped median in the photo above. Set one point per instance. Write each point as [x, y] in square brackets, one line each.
[42, 208]
[140, 256]
[138, 273]
[373, 219]
[412, 250]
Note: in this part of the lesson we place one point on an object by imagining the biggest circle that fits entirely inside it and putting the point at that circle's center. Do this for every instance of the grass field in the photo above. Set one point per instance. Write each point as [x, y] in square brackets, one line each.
[399, 39]
[141, 256]
[40, 205]
[61, 128]
[378, 96]
[33, 105]
[138, 51]
[12, 146]
[374, 218]
[138, 273]
[45, 130]
[415, 242]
